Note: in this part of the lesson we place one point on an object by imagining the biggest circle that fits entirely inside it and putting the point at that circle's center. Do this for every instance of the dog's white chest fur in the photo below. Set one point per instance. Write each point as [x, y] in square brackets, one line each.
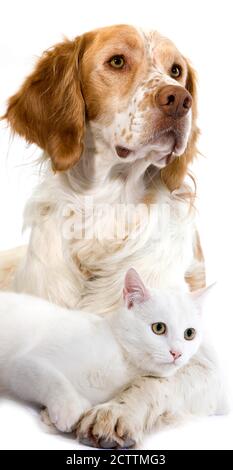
[84, 240]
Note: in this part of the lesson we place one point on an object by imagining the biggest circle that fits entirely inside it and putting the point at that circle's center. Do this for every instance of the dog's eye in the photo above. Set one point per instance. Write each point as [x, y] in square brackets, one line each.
[159, 328]
[189, 334]
[176, 71]
[117, 61]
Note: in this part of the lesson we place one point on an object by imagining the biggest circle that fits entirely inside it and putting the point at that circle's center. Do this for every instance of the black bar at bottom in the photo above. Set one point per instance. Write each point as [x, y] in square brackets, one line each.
[100, 459]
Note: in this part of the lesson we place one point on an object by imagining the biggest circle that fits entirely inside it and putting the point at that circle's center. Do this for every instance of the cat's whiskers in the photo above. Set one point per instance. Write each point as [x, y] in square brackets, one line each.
[153, 358]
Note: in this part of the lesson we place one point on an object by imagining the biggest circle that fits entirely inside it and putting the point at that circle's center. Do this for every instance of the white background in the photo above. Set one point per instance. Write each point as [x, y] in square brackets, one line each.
[203, 31]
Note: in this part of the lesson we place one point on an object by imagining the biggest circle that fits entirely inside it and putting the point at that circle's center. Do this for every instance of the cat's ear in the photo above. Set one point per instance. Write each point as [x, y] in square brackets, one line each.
[199, 296]
[134, 291]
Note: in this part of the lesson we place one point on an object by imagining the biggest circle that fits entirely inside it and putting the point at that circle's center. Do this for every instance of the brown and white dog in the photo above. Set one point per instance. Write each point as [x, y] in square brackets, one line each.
[115, 112]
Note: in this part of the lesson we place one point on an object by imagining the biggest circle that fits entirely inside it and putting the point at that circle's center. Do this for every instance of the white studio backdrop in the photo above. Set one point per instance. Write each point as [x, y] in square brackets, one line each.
[203, 32]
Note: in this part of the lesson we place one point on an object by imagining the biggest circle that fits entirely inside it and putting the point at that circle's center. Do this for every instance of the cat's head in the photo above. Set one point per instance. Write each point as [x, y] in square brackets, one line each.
[161, 330]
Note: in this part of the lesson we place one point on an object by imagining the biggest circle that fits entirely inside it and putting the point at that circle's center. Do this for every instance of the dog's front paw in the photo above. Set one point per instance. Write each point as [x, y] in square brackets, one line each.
[108, 426]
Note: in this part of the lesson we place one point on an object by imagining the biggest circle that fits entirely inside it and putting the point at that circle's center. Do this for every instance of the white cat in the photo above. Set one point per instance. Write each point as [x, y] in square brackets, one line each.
[70, 360]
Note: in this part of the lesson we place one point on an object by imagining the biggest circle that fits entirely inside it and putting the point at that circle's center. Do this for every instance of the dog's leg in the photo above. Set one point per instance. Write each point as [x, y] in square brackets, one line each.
[9, 262]
[195, 275]
[121, 422]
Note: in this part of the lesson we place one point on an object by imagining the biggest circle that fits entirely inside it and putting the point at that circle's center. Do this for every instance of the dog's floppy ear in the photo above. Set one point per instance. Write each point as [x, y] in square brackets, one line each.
[49, 109]
[173, 175]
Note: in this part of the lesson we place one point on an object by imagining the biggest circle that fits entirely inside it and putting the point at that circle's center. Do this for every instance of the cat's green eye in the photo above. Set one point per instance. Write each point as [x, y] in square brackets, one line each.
[190, 333]
[159, 328]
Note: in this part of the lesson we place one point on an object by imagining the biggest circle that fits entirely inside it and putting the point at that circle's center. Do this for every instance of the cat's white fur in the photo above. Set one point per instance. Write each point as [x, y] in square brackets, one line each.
[69, 360]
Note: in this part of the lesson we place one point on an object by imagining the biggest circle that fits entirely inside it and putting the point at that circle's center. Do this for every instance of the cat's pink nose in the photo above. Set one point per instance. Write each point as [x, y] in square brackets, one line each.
[175, 354]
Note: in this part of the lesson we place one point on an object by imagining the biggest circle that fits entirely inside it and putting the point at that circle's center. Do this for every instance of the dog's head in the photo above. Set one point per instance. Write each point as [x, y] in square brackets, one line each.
[135, 90]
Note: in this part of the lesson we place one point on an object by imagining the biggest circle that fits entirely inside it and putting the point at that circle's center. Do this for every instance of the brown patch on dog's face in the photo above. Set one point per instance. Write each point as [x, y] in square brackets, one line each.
[166, 55]
[105, 87]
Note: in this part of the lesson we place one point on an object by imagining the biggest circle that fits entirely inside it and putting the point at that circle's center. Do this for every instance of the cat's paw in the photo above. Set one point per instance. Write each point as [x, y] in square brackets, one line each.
[44, 416]
[108, 426]
[64, 417]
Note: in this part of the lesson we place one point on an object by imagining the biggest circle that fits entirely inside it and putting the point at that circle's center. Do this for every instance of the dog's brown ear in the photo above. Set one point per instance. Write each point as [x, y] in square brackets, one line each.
[49, 109]
[173, 175]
